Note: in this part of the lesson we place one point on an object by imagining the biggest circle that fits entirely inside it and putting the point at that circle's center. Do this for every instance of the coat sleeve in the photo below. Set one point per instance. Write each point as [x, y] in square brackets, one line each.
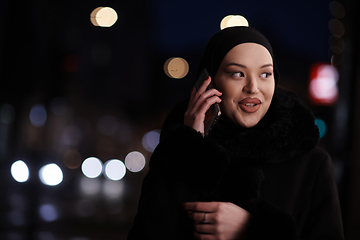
[323, 220]
[178, 168]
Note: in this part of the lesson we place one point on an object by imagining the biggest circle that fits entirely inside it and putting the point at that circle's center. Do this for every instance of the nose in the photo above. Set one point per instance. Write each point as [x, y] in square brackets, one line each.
[251, 86]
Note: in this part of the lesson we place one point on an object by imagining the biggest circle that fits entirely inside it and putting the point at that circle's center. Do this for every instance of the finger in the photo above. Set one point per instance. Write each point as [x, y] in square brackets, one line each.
[197, 113]
[200, 217]
[195, 93]
[197, 98]
[203, 98]
[205, 228]
[205, 106]
[208, 207]
[205, 84]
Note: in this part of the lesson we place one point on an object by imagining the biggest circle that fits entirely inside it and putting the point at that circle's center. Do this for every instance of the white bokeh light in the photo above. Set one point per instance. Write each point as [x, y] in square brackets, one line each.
[114, 169]
[113, 189]
[151, 140]
[135, 161]
[92, 167]
[51, 174]
[20, 171]
[48, 212]
[90, 186]
[38, 115]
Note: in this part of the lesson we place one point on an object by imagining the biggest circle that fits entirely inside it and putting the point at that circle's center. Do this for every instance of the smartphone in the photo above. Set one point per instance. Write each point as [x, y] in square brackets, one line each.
[213, 114]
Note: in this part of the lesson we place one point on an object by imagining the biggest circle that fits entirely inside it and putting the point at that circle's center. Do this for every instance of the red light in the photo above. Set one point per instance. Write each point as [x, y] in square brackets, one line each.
[323, 89]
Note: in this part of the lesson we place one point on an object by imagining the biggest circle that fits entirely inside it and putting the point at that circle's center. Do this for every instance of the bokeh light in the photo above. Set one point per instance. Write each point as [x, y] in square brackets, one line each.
[337, 9]
[114, 169]
[113, 189]
[337, 45]
[176, 67]
[90, 186]
[48, 212]
[16, 218]
[51, 174]
[58, 106]
[7, 113]
[323, 88]
[20, 171]
[232, 21]
[72, 159]
[38, 115]
[92, 167]
[103, 17]
[135, 161]
[151, 140]
[336, 27]
[322, 127]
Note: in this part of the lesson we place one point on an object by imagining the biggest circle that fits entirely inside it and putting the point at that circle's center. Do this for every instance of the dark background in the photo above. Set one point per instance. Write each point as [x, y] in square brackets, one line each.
[50, 49]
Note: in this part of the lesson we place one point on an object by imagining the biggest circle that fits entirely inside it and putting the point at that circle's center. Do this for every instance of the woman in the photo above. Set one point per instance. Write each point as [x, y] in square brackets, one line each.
[257, 175]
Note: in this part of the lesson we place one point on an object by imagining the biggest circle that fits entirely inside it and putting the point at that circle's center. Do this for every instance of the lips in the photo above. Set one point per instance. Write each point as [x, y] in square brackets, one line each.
[250, 105]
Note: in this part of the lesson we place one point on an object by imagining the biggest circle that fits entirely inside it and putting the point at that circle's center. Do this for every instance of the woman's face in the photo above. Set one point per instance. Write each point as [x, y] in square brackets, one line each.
[246, 79]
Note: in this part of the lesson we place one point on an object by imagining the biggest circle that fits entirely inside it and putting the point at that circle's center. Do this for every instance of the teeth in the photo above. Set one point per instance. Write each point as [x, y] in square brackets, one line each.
[250, 104]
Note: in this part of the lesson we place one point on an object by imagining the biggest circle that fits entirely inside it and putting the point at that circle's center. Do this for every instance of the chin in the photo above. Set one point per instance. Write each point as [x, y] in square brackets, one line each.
[247, 124]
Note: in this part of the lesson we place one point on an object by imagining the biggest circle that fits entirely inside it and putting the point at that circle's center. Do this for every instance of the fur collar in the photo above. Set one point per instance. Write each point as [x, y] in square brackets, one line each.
[287, 130]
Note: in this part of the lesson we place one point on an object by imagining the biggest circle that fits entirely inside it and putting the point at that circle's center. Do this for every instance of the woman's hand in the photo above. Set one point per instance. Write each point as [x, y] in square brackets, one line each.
[217, 220]
[199, 103]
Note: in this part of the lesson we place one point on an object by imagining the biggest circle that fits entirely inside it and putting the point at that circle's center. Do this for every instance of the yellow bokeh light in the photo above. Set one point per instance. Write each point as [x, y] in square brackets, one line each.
[232, 21]
[176, 67]
[103, 17]
[224, 21]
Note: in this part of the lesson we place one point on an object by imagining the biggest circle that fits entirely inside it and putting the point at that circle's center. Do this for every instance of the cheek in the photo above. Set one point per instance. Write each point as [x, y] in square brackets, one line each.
[229, 91]
[268, 90]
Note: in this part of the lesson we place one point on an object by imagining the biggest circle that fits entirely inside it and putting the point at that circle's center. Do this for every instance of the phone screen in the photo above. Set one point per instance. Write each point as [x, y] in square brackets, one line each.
[213, 114]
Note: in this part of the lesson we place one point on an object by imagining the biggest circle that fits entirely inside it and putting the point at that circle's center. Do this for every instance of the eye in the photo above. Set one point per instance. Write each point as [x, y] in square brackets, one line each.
[238, 74]
[265, 75]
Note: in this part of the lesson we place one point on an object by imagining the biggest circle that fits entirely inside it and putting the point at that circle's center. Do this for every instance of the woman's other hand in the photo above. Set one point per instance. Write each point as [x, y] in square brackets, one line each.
[217, 220]
[200, 102]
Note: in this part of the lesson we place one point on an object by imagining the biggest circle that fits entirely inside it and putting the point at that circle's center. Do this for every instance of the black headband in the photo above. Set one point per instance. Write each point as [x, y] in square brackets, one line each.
[223, 41]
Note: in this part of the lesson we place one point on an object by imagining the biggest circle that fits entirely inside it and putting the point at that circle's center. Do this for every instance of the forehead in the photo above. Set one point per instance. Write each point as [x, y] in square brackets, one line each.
[249, 52]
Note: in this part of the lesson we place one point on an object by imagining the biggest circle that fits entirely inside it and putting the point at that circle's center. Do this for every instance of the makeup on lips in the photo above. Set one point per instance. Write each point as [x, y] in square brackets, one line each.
[250, 105]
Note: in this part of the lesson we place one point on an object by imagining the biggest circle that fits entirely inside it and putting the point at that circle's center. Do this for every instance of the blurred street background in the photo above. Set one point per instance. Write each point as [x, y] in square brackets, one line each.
[86, 85]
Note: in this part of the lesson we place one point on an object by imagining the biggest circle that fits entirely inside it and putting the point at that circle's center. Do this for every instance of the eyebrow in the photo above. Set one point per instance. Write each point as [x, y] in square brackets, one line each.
[243, 66]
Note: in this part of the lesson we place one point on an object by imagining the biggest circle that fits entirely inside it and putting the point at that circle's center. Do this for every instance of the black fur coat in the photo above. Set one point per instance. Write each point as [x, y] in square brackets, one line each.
[273, 170]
